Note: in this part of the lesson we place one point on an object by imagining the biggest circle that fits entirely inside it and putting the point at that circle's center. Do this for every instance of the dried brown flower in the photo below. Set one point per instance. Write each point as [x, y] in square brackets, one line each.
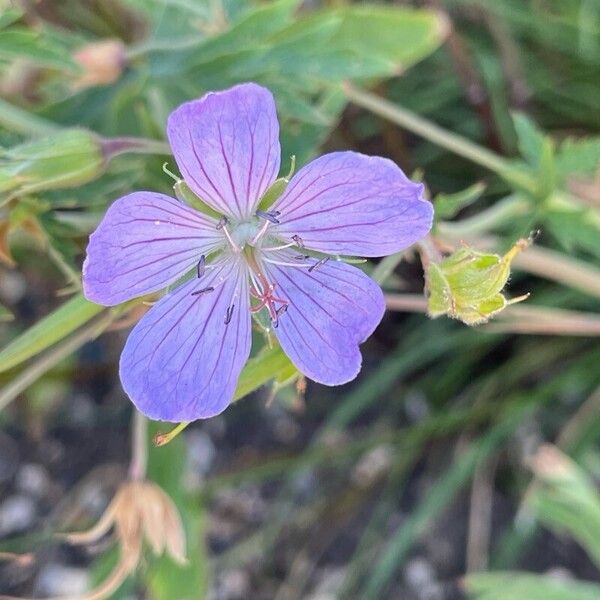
[140, 511]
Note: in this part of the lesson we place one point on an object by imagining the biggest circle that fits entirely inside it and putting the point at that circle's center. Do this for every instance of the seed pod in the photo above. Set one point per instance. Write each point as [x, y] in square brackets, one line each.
[467, 285]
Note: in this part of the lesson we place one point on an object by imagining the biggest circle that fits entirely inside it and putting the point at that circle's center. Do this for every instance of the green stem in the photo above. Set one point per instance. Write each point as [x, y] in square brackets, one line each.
[500, 213]
[437, 135]
[133, 145]
[58, 259]
[44, 363]
[139, 446]
[386, 267]
[18, 119]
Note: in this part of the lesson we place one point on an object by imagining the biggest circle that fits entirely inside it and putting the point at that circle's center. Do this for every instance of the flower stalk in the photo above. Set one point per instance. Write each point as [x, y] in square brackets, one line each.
[434, 133]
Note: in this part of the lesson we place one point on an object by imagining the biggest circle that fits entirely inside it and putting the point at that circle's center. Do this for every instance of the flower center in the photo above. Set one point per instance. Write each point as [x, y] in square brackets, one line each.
[247, 238]
[244, 232]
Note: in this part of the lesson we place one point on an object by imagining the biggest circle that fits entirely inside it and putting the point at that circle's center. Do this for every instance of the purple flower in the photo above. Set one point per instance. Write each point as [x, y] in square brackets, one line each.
[182, 360]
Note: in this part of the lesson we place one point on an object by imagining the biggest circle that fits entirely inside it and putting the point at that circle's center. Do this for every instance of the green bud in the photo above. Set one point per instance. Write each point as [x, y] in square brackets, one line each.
[68, 158]
[467, 285]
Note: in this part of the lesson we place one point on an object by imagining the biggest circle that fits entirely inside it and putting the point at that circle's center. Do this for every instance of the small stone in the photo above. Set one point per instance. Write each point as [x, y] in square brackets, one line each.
[372, 466]
[328, 584]
[234, 584]
[32, 480]
[13, 286]
[200, 451]
[559, 573]
[82, 411]
[17, 513]
[61, 580]
[9, 457]
[418, 573]
[286, 430]
[416, 406]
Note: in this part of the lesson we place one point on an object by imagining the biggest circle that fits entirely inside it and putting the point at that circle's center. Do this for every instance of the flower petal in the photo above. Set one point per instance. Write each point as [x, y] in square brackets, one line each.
[182, 360]
[145, 242]
[352, 204]
[331, 311]
[227, 147]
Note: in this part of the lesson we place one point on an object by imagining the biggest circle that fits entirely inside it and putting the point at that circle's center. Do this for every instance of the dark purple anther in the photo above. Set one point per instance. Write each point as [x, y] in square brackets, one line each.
[298, 240]
[222, 222]
[269, 216]
[318, 265]
[229, 314]
[205, 290]
[282, 310]
[200, 269]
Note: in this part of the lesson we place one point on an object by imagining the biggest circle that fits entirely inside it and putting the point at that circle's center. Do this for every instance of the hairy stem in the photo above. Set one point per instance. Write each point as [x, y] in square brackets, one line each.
[139, 446]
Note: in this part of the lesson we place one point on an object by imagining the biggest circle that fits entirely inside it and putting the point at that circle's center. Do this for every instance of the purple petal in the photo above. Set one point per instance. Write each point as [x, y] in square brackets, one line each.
[227, 147]
[349, 203]
[145, 242]
[331, 311]
[182, 361]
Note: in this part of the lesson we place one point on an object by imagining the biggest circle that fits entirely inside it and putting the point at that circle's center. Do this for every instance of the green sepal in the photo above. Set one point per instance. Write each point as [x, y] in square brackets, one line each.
[277, 187]
[184, 193]
[467, 285]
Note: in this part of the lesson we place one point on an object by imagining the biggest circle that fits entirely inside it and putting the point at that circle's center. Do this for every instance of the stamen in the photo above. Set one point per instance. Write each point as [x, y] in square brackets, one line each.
[298, 241]
[275, 323]
[282, 310]
[205, 290]
[229, 314]
[270, 216]
[222, 224]
[301, 256]
[283, 247]
[261, 232]
[282, 263]
[201, 267]
[318, 265]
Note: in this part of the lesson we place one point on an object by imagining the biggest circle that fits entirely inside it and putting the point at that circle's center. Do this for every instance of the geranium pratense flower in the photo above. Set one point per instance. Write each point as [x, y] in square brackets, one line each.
[182, 360]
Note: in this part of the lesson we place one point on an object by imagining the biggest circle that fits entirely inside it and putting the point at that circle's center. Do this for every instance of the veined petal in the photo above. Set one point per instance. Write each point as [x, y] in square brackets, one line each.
[144, 242]
[352, 204]
[331, 311]
[183, 359]
[227, 147]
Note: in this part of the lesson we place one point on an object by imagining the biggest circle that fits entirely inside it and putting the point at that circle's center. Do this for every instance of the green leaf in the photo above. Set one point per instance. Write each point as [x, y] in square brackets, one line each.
[5, 314]
[575, 227]
[24, 43]
[538, 151]
[9, 16]
[271, 363]
[531, 138]
[523, 586]
[164, 578]
[356, 42]
[581, 157]
[567, 499]
[48, 331]
[448, 206]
